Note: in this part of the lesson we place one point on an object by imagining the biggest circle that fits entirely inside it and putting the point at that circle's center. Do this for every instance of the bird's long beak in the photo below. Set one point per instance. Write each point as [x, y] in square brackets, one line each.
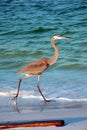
[63, 37]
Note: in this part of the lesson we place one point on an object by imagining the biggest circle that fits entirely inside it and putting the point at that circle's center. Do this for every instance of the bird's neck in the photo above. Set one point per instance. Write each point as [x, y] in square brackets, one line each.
[56, 53]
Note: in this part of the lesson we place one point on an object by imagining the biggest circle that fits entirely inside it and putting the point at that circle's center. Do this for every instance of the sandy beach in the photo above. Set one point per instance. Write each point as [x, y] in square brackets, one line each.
[74, 118]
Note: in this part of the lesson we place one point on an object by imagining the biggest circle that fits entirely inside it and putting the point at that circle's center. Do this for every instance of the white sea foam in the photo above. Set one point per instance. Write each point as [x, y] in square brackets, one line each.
[70, 100]
[35, 95]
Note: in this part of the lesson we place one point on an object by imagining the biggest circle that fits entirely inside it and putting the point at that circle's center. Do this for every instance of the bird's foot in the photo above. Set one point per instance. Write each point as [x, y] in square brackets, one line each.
[47, 100]
[15, 98]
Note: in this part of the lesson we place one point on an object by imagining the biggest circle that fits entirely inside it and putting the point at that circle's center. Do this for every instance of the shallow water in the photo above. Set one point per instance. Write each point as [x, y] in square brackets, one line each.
[26, 28]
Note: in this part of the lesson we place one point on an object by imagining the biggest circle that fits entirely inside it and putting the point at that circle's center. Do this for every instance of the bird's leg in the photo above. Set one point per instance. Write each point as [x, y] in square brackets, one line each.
[19, 83]
[41, 93]
[45, 100]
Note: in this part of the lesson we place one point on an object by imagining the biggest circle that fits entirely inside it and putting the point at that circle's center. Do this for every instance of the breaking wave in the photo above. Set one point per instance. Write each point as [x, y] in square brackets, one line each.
[36, 97]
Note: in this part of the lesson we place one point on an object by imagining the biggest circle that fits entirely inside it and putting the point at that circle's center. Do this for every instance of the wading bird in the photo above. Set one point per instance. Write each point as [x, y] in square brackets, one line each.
[39, 66]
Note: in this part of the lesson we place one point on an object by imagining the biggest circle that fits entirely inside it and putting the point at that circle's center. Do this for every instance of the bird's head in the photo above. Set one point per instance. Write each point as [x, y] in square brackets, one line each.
[60, 37]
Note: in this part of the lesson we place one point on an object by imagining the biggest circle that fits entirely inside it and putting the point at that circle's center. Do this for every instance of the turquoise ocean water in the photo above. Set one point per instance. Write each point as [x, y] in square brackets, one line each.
[26, 28]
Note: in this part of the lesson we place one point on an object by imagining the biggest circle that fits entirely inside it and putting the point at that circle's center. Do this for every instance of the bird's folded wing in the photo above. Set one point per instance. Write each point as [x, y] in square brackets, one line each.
[34, 68]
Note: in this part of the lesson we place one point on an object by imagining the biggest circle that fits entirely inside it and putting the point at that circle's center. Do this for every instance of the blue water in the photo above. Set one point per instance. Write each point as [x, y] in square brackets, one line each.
[26, 28]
